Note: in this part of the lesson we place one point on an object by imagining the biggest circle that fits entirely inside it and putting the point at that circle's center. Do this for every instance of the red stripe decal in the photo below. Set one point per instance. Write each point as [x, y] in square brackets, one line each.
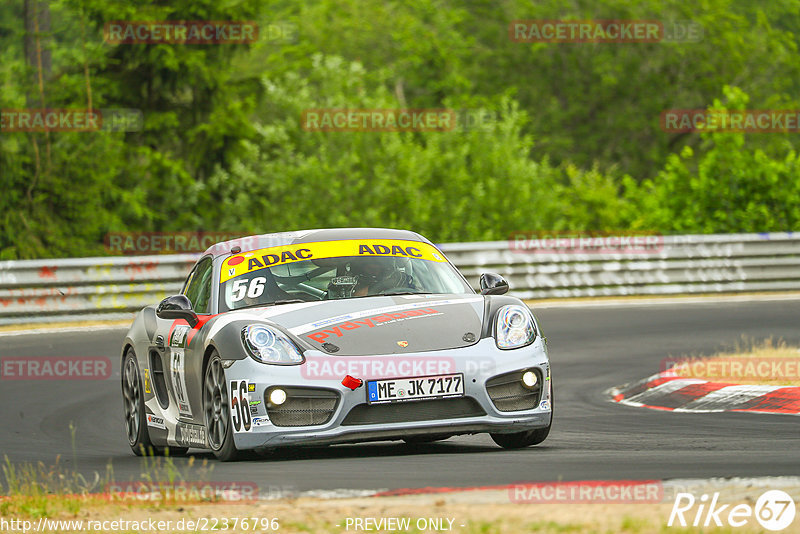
[201, 321]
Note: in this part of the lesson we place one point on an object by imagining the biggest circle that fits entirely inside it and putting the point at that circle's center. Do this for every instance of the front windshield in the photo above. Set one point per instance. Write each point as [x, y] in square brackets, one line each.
[333, 270]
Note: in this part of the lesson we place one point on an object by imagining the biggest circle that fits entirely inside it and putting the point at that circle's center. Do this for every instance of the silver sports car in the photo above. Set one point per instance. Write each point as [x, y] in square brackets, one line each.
[332, 336]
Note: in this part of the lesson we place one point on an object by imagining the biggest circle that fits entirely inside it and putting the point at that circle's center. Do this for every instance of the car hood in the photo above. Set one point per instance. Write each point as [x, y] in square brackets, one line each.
[379, 325]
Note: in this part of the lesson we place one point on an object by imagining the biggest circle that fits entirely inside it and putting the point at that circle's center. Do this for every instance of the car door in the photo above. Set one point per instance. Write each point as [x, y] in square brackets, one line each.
[179, 359]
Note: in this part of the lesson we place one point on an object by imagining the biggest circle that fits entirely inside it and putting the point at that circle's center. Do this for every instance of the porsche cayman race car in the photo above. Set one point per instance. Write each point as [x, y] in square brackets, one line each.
[332, 336]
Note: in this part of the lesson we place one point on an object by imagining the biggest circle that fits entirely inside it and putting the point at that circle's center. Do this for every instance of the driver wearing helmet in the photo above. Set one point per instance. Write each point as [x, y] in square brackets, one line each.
[376, 275]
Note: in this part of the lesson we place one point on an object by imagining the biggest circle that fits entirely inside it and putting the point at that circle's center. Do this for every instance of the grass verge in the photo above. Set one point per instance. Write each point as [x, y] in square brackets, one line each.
[767, 362]
[423, 514]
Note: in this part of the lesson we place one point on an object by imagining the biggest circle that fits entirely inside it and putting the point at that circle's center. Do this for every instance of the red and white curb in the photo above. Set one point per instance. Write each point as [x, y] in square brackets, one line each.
[517, 492]
[670, 392]
[524, 492]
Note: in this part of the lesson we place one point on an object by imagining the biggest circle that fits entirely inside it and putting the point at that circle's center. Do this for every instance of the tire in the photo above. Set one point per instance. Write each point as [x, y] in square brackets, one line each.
[216, 415]
[519, 440]
[135, 418]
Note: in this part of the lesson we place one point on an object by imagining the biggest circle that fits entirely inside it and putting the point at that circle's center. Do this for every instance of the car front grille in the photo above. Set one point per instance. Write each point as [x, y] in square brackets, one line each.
[508, 394]
[303, 407]
[413, 411]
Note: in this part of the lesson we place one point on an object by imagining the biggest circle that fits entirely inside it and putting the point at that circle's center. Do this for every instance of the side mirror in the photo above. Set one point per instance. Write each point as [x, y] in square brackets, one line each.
[177, 307]
[493, 284]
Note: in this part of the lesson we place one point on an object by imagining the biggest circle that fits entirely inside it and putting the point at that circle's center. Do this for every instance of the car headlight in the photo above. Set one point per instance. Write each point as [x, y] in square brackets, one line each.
[269, 345]
[514, 327]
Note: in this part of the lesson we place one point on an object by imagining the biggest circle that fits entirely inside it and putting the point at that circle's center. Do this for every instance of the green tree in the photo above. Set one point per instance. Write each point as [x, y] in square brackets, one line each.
[725, 187]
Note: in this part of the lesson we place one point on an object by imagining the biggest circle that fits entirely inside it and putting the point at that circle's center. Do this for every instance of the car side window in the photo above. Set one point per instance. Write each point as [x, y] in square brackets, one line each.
[198, 287]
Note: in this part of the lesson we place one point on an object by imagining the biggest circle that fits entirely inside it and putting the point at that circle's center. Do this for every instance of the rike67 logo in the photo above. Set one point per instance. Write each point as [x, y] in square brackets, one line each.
[774, 510]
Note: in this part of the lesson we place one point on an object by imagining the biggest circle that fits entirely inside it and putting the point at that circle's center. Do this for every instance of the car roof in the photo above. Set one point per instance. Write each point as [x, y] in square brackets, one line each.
[256, 242]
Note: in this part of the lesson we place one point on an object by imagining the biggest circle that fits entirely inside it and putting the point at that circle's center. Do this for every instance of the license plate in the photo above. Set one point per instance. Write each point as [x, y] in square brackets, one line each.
[421, 387]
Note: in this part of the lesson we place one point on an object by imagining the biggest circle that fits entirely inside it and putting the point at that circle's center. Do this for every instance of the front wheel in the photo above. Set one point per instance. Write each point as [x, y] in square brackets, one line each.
[216, 413]
[519, 440]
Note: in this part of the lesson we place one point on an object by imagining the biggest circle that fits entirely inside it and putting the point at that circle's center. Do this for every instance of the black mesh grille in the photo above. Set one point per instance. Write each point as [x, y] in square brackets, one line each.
[509, 394]
[412, 411]
[303, 407]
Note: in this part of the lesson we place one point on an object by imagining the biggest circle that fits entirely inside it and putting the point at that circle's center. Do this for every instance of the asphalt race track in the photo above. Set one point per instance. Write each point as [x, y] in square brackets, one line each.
[591, 349]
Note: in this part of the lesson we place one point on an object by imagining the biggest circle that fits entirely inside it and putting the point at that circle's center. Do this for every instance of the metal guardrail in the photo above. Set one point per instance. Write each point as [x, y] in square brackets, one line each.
[692, 264]
[115, 287]
[87, 288]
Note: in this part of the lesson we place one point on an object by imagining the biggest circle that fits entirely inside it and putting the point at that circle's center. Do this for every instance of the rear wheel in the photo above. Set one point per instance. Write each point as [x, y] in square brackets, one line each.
[216, 412]
[519, 440]
[135, 417]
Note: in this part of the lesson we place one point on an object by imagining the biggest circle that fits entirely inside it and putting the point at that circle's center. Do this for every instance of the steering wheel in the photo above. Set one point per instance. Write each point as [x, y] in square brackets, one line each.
[395, 285]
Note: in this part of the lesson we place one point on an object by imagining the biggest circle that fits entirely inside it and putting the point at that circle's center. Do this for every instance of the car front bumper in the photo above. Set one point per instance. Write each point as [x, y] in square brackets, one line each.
[479, 363]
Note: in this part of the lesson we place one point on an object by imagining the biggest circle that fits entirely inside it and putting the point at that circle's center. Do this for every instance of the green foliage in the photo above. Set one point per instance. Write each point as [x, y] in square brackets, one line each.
[469, 183]
[575, 142]
[722, 188]
[587, 103]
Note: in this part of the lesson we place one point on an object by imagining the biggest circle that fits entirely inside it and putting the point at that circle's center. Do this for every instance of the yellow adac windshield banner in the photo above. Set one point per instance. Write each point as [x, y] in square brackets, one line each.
[246, 262]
